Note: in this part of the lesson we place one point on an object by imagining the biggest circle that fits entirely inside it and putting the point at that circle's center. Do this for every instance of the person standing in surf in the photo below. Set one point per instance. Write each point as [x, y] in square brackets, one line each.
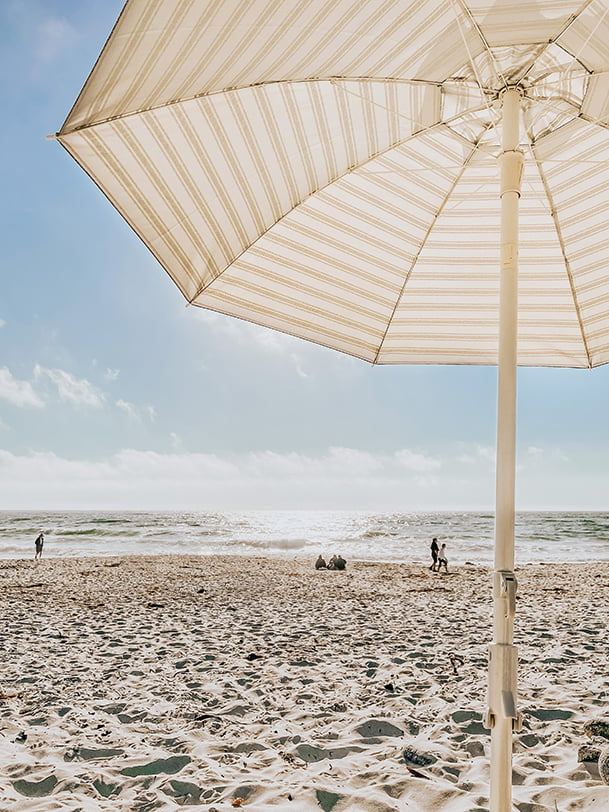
[39, 544]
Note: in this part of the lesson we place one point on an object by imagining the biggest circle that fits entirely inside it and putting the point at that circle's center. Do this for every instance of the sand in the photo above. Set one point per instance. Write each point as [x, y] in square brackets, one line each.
[220, 683]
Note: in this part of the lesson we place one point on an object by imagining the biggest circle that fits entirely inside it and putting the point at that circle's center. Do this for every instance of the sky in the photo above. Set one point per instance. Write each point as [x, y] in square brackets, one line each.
[114, 395]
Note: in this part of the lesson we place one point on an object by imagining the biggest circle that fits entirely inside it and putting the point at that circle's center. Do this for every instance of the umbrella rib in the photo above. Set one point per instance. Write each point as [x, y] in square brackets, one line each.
[314, 79]
[549, 101]
[339, 84]
[563, 249]
[423, 242]
[588, 38]
[467, 12]
[556, 37]
[597, 123]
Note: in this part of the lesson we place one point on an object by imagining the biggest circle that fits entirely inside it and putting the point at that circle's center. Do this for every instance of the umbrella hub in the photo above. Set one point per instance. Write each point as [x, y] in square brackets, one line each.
[553, 84]
[540, 73]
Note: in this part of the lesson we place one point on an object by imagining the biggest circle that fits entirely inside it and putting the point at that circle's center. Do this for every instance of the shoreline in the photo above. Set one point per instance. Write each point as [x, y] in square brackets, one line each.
[421, 561]
[141, 682]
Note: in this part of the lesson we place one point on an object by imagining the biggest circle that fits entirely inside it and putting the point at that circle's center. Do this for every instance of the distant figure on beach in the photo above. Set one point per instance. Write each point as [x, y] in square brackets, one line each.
[39, 544]
[442, 559]
[320, 564]
[434, 554]
[337, 562]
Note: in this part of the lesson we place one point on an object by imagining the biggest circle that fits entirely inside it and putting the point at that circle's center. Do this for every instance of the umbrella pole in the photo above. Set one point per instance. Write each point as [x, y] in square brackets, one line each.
[502, 716]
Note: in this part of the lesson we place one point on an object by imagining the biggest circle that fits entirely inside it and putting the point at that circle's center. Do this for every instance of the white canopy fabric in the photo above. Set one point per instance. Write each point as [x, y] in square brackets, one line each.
[328, 168]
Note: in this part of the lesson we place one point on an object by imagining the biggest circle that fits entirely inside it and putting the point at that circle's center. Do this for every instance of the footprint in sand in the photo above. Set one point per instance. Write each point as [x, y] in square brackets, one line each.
[184, 792]
[106, 790]
[169, 766]
[378, 727]
[36, 789]
[310, 754]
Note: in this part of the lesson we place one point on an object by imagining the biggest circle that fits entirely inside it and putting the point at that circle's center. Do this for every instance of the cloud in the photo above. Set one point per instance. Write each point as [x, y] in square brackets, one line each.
[340, 477]
[153, 465]
[78, 392]
[111, 374]
[244, 332]
[2, 323]
[414, 461]
[46, 38]
[269, 341]
[135, 413]
[337, 479]
[298, 366]
[537, 456]
[357, 463]
[337, 463]
[129, 409]
[19, 393]
[473, 455]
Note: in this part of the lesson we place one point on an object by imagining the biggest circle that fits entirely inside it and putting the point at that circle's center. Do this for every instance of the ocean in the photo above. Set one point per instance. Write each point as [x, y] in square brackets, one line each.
[402, 537]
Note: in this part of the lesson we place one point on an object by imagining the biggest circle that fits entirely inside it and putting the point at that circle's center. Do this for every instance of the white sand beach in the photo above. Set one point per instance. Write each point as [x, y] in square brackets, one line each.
[217, 683]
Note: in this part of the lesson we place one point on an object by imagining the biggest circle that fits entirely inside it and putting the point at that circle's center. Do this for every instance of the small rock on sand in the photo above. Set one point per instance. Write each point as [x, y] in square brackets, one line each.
[597, 728]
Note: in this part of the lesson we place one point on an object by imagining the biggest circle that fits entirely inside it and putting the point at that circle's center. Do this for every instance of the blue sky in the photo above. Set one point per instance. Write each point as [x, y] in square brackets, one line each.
[114, 394]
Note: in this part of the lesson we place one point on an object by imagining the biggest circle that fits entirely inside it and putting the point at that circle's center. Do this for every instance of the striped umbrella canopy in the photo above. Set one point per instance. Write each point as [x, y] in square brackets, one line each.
[331, 169]
[328, 168]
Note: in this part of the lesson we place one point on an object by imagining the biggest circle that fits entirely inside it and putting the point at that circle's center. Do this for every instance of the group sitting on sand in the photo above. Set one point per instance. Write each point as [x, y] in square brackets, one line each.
[337, 562]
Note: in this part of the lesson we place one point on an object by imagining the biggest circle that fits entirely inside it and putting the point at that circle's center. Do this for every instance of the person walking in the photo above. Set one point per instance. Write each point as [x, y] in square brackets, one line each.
[434, 555]
[39, 544]
[443, 559]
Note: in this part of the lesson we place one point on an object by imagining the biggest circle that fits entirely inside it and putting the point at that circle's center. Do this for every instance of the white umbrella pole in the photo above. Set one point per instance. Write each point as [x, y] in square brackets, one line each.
[503, 716]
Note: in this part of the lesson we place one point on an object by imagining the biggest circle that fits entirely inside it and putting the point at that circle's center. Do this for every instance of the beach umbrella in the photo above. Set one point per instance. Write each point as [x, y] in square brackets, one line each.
[409, 182]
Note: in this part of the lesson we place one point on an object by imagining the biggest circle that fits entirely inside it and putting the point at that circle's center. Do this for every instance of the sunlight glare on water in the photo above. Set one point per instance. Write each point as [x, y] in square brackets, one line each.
[405, 537]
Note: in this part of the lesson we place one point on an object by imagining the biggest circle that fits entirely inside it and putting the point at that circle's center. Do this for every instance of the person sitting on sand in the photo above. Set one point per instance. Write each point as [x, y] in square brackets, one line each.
[442, 559]
[39, 544]
[337, 562]
[320, 564]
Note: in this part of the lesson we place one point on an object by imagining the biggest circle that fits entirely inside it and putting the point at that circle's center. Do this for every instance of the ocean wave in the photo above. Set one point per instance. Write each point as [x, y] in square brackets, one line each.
[17, 519]
[276, 544]
[368, 535]
[539, 536]
[108, 521]
[93, 531]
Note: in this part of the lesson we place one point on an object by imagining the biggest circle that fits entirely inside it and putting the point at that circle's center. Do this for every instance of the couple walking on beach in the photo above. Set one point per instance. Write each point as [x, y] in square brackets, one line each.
[439, 557]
